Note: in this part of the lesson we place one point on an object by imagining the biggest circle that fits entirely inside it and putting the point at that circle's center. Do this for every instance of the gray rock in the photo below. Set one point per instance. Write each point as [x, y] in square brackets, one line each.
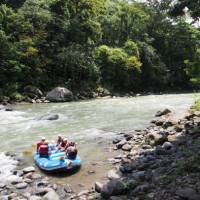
[119, 197]
[35, 198]
[98, 186]
[48, 117]
[139, 176]
[15, 179]
[2, 185]
[43, 183]
[114, 174]
[32, 91]
[163, 112]
[168, 146]
[29, 169]
[116, 140]
[59, 94]
[51, 195]
[126, 147]
[187, 193]
[21, 185]
[154, 138]
[68, 189]
[127, 168]
[113, 188]
[121, 143]
[36, 176]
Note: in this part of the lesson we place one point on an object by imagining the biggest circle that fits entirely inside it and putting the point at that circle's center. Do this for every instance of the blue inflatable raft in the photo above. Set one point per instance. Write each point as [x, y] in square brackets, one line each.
[57, 161]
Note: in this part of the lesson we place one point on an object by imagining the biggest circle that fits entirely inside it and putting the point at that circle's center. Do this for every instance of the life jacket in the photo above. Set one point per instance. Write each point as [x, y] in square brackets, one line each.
[39, 144]
[43, 149]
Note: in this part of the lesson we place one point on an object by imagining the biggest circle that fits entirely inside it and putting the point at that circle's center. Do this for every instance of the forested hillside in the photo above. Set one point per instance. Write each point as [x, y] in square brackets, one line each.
[123, 46]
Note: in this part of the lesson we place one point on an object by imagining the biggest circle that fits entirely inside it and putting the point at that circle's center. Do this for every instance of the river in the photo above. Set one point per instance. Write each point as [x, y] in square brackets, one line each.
[92, 124]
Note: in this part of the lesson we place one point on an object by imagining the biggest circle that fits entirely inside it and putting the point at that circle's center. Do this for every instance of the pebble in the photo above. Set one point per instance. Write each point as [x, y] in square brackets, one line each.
[21, 185]
[28, 169]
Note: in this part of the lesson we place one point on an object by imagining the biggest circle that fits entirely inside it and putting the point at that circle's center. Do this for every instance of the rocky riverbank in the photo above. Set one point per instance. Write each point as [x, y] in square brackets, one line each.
[159, 162]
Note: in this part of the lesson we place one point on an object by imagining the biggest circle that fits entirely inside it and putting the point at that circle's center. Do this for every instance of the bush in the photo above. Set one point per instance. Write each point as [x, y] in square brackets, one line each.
[17, 96]
[197, 105]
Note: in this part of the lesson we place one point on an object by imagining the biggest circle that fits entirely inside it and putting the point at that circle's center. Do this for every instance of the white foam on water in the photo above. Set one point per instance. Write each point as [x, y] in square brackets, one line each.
[7, 165]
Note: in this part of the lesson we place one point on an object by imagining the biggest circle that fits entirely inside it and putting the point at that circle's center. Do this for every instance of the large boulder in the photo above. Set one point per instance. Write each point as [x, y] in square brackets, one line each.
[59, 94]
[32, 91]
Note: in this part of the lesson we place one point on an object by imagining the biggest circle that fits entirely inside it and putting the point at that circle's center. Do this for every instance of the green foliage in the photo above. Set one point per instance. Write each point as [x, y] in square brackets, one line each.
[119, 45]
[197, 105]
[117, 67]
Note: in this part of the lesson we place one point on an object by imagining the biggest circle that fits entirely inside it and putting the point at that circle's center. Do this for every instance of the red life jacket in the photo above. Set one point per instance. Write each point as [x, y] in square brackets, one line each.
[39, 144]
[43, 149]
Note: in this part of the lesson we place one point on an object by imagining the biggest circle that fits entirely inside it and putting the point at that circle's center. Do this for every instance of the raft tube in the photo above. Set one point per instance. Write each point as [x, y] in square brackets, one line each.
[57, 161]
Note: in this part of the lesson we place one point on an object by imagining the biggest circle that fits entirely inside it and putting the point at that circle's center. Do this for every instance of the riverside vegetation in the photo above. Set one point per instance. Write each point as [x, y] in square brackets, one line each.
[88, 45]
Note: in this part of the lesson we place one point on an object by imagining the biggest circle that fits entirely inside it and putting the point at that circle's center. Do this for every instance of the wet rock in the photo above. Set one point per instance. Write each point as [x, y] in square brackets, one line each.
[187, 193]
[126, 147]
[138, 176]
[114, 174]
[128, 136]
[159, 122]
[21, 185]
[59, 94]
[168, 146]
[127, 168]
[121, 143]
[163, 112]
[167, 124]
[51, 195]
[116, 140]
[112, 188]
[29, 169]
[155, 138]
[48, 117]
[43, 183]
[98, 186]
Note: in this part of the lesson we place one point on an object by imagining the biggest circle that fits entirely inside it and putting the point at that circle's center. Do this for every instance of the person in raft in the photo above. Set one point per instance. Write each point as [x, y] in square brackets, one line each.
[71, 151]
[44, 149]
[40, 143]
[63, 144]
[59, 141]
